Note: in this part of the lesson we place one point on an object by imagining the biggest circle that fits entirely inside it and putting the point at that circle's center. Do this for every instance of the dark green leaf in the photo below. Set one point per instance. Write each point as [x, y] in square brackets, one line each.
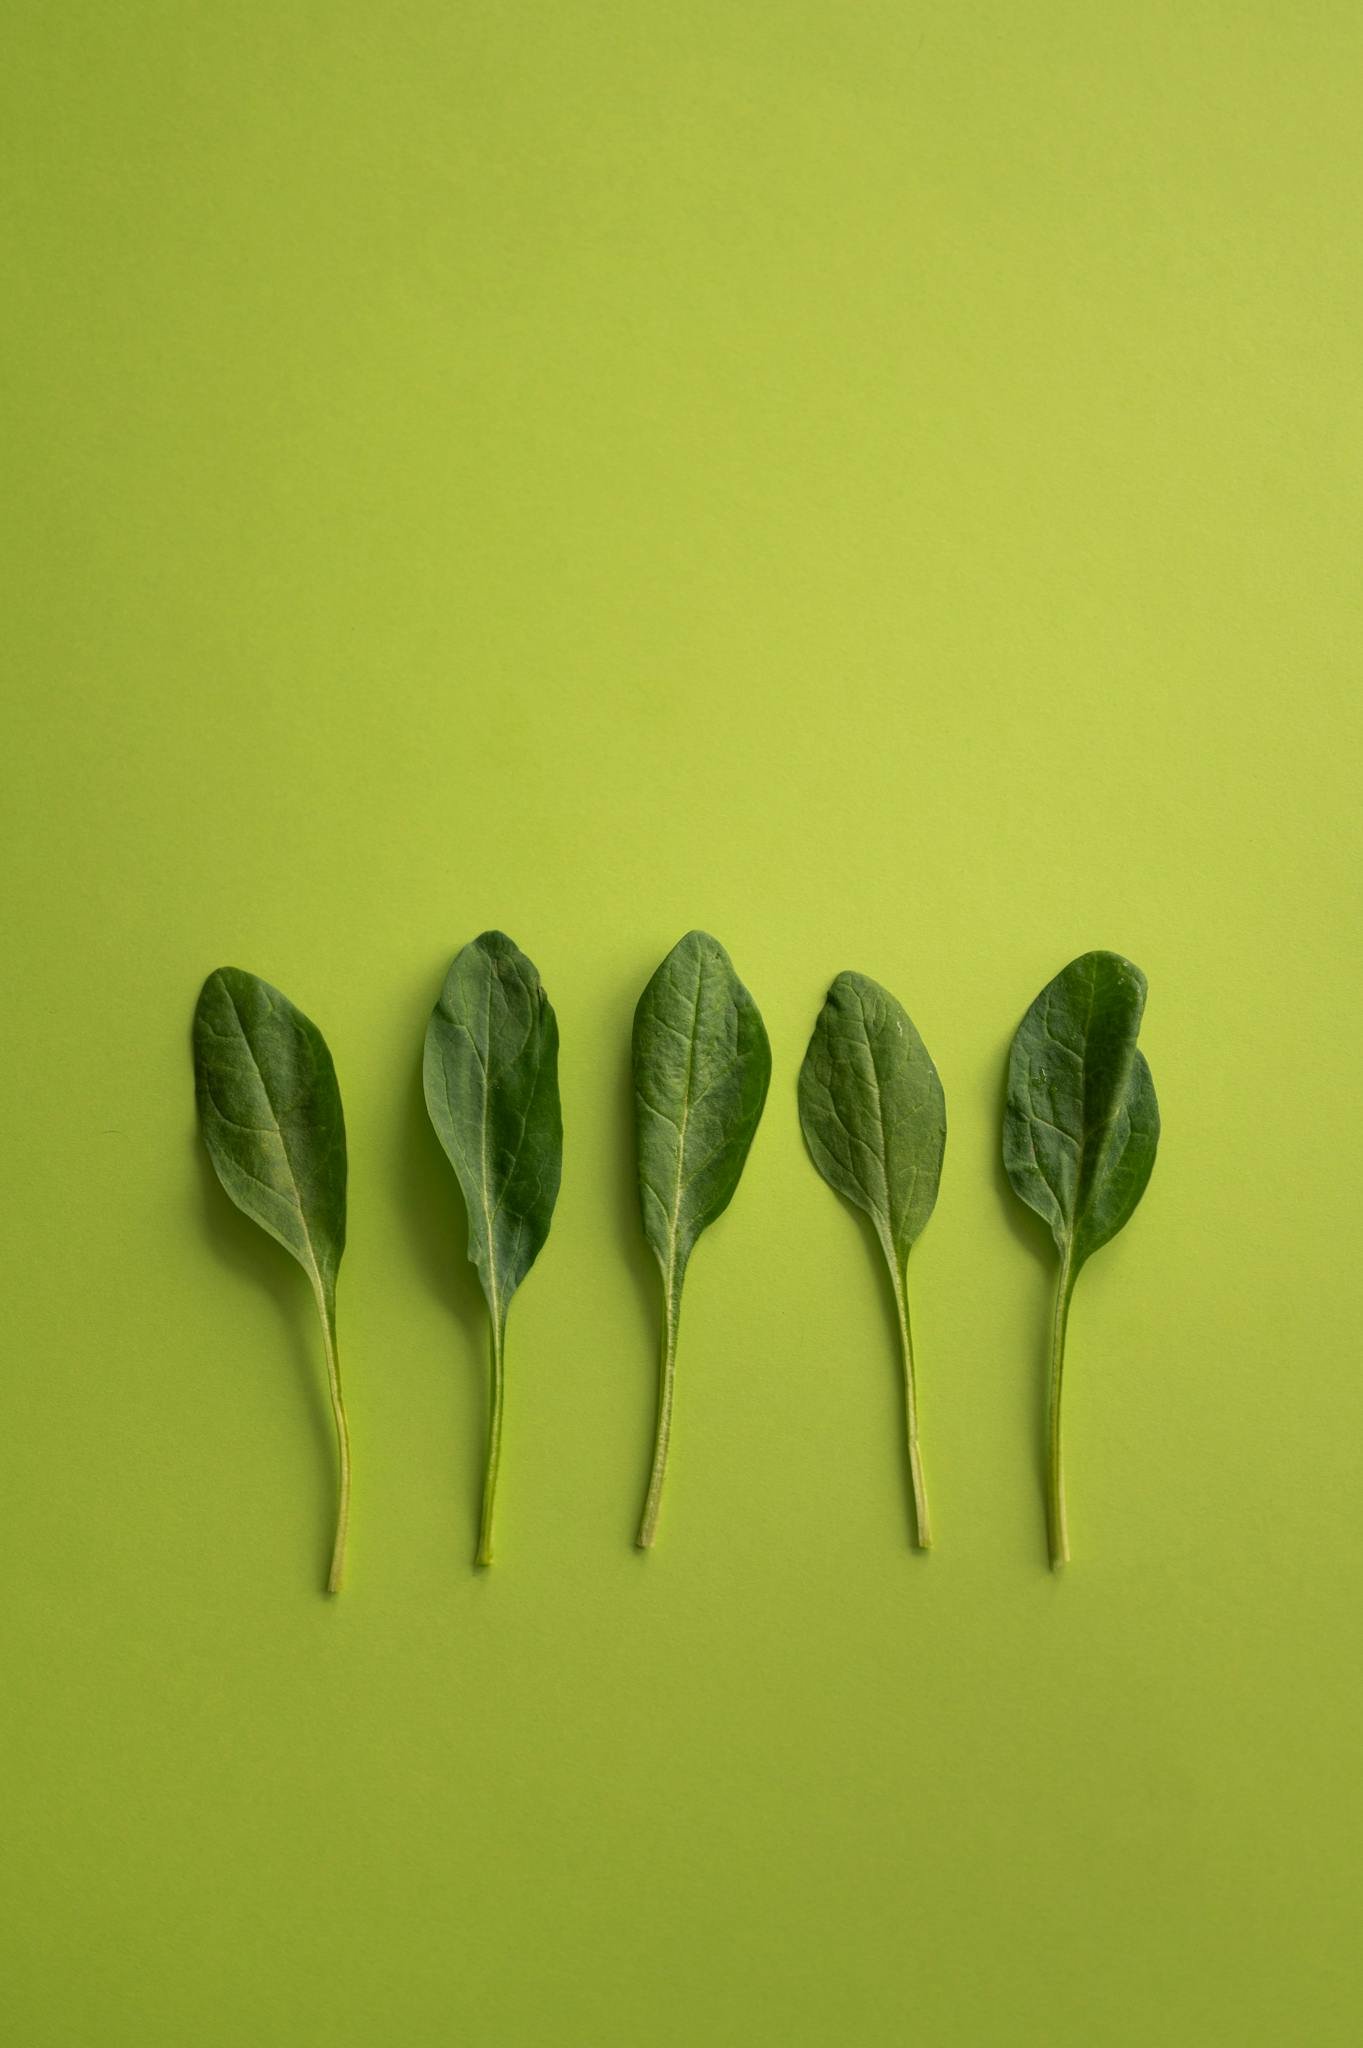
[270, 1111]
[491, 1080]
[874, 1119]
[1080, 1129]
[701, 1068]
[873, 1112]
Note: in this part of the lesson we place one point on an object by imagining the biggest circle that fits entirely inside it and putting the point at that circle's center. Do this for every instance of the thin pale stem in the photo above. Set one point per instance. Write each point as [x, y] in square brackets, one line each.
[327, 1311]
[921, 1525]
[1056, 1526]
[648, 1524]
[494, 1441]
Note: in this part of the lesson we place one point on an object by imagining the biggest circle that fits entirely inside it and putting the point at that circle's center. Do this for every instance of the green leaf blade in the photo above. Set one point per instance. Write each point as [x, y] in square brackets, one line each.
[271, 1117]
[702, 1067]
[1127, 1161]
[872, 1110]
[873, 1114]
[490, 1075]
[270, 1111]
[1073, 1085]
[1080, 1132]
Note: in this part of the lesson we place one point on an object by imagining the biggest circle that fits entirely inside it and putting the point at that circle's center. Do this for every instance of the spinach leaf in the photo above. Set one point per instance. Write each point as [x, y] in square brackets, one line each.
[875, 1121]
[1080, 1129]
[491, 1081]
[701, 1068]
[270, 1112]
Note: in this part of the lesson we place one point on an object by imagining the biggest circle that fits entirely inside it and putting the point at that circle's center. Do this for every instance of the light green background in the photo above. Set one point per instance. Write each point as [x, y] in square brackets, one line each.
[880, 482]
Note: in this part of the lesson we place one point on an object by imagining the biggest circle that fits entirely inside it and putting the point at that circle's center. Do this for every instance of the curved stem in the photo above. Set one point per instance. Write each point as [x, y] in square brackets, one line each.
[648, 1523]
[327, 1310]
[494, 1442]
[1056, 1526]
[922, 1526]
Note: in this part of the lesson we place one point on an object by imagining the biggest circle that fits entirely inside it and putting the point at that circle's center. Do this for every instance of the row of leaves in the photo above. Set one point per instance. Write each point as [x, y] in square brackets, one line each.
[1080, 1129]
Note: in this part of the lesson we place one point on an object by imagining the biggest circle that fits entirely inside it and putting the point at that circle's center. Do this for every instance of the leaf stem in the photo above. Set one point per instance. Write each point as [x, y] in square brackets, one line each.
[1057, 1528]
[921, 1524]
[327, 1310]
[648, 1523]
[494, 1440]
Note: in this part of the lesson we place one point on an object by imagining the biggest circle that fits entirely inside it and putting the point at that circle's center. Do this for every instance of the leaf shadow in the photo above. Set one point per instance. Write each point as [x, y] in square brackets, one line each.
[436, 1224]
[1032, 1234]
[250, 1253]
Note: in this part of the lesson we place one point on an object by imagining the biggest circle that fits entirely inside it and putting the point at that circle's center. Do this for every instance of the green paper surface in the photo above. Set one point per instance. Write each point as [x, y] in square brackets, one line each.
[880, 484]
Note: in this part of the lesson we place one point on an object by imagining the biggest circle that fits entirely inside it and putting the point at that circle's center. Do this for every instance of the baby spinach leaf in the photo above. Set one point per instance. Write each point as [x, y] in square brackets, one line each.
[270, 1112]
[875, 1121]
[1080, 1129]
[701, 1068]
[491, 1080]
